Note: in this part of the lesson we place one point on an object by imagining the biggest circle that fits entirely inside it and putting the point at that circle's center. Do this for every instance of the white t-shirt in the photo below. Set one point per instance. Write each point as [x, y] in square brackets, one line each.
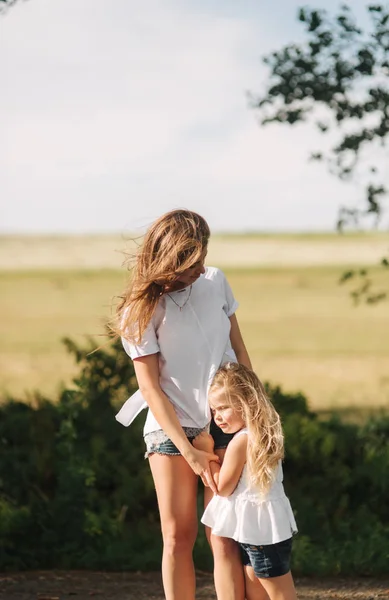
[250, 517]
[192, 343]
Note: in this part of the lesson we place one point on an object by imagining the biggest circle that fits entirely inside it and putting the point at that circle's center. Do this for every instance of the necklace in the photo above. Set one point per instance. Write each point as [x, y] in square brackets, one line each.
[181, 306]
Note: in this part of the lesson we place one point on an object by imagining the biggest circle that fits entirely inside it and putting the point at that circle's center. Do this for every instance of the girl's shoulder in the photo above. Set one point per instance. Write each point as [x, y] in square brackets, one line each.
[237, 448]
[239, 441]
[243, 431]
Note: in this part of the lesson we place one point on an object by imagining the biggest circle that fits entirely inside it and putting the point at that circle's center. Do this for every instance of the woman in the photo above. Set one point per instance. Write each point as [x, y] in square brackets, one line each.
[178, 324]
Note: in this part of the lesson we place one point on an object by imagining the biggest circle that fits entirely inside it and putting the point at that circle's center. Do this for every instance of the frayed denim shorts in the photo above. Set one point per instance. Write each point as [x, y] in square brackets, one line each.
[157, 442]
[268, 561]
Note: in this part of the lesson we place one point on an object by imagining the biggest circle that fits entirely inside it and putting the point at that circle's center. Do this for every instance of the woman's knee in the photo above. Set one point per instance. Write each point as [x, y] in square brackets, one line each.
[178, 538]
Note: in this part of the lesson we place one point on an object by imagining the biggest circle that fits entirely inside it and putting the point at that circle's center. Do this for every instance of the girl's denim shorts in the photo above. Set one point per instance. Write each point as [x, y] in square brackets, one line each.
[272, 560]
[157, 442]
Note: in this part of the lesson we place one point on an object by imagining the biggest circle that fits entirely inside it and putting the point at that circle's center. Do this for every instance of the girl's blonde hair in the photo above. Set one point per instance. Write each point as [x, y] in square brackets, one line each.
[173, 243]
[244, 392]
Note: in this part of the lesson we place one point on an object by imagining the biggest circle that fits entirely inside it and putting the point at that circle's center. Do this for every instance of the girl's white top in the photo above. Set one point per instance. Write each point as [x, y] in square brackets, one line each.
[191, 343]
[250, 517]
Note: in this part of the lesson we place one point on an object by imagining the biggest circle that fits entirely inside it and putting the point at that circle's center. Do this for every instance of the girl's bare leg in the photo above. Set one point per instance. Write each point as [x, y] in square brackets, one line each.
[228, 568]
[176, 487]
[280, 588]
[254, 588]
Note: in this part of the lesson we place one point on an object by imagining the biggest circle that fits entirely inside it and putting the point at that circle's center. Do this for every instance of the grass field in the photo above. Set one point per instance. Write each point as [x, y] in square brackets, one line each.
[266, 250]
[300, 326]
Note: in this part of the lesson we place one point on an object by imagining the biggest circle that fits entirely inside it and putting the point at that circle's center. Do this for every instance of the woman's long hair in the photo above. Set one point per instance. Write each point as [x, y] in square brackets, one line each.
[173, 243]
[244, 392]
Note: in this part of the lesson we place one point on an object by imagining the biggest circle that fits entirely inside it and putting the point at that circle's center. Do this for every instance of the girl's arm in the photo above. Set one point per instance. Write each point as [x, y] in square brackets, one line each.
[147, 374]
[237, 343]
[231, 470]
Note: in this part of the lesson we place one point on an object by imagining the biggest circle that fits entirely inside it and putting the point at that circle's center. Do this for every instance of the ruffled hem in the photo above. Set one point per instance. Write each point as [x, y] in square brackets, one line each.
[268, 522]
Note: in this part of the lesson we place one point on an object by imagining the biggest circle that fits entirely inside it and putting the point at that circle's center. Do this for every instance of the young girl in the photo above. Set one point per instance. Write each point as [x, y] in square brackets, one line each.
[177, 321]
[251, 506]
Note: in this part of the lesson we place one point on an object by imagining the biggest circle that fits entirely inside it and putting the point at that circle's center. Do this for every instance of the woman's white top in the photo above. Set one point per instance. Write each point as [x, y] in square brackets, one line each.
[192, 343]
[250, 517]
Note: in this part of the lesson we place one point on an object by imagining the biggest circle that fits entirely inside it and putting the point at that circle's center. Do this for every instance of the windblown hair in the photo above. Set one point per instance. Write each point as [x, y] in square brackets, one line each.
[173, 243]
[244, 392]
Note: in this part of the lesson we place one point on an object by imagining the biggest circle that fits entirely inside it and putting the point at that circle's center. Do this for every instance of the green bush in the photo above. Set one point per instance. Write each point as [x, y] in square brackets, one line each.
[76, 492]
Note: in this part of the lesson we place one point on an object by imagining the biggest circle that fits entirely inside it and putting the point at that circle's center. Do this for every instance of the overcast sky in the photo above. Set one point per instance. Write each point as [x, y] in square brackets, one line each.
[115, 111]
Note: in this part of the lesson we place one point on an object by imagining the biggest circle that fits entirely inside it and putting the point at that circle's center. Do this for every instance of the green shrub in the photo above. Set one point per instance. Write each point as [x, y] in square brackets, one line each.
[76, 492]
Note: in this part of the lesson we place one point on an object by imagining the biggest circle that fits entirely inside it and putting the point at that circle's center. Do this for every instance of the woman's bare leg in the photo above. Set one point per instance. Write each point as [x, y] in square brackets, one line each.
[228, 568]
[176, 487]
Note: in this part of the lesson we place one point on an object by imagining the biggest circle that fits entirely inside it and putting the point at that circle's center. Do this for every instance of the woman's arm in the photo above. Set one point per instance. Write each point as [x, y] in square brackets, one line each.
[237, 343]
[147, 374]
[232, 467]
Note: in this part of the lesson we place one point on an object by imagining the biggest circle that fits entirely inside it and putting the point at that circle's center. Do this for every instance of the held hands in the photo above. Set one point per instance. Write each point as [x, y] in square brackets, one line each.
[199, 461]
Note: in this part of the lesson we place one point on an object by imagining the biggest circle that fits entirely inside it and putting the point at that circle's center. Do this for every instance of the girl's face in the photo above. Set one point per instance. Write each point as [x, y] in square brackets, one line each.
[190, 275]
[224, 415]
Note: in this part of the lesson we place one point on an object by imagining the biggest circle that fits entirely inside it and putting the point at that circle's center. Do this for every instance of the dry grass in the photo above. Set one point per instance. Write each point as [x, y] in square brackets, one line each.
[299, 325]
[303, 331]
[108, 252]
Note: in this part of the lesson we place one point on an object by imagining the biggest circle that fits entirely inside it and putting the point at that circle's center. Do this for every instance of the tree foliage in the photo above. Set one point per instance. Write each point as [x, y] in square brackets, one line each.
[338, 78]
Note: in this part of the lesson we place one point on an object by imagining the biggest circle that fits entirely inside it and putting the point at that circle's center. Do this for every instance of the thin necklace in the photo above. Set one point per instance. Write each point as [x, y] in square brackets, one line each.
[181, 306]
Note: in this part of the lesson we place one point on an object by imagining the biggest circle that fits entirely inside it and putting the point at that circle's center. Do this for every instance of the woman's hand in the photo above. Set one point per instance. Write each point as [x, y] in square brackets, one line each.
[199, 461]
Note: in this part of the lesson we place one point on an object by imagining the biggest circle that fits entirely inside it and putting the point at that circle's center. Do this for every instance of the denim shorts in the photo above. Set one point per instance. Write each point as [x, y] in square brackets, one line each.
[272, 560]
[157, 442]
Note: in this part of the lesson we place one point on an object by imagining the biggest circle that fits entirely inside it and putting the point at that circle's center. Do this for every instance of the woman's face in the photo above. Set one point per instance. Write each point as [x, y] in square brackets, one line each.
[190, 275]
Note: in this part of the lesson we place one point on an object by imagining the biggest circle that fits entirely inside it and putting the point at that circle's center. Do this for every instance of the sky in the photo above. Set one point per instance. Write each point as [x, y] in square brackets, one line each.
[115, 111]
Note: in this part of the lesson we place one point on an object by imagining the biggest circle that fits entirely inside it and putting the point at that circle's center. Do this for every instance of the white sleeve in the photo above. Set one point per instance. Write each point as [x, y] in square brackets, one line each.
[230, 304]
[147, 345]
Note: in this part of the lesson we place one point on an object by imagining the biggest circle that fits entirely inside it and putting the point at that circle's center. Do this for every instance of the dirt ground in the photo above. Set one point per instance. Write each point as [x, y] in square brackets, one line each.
[57, 585]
